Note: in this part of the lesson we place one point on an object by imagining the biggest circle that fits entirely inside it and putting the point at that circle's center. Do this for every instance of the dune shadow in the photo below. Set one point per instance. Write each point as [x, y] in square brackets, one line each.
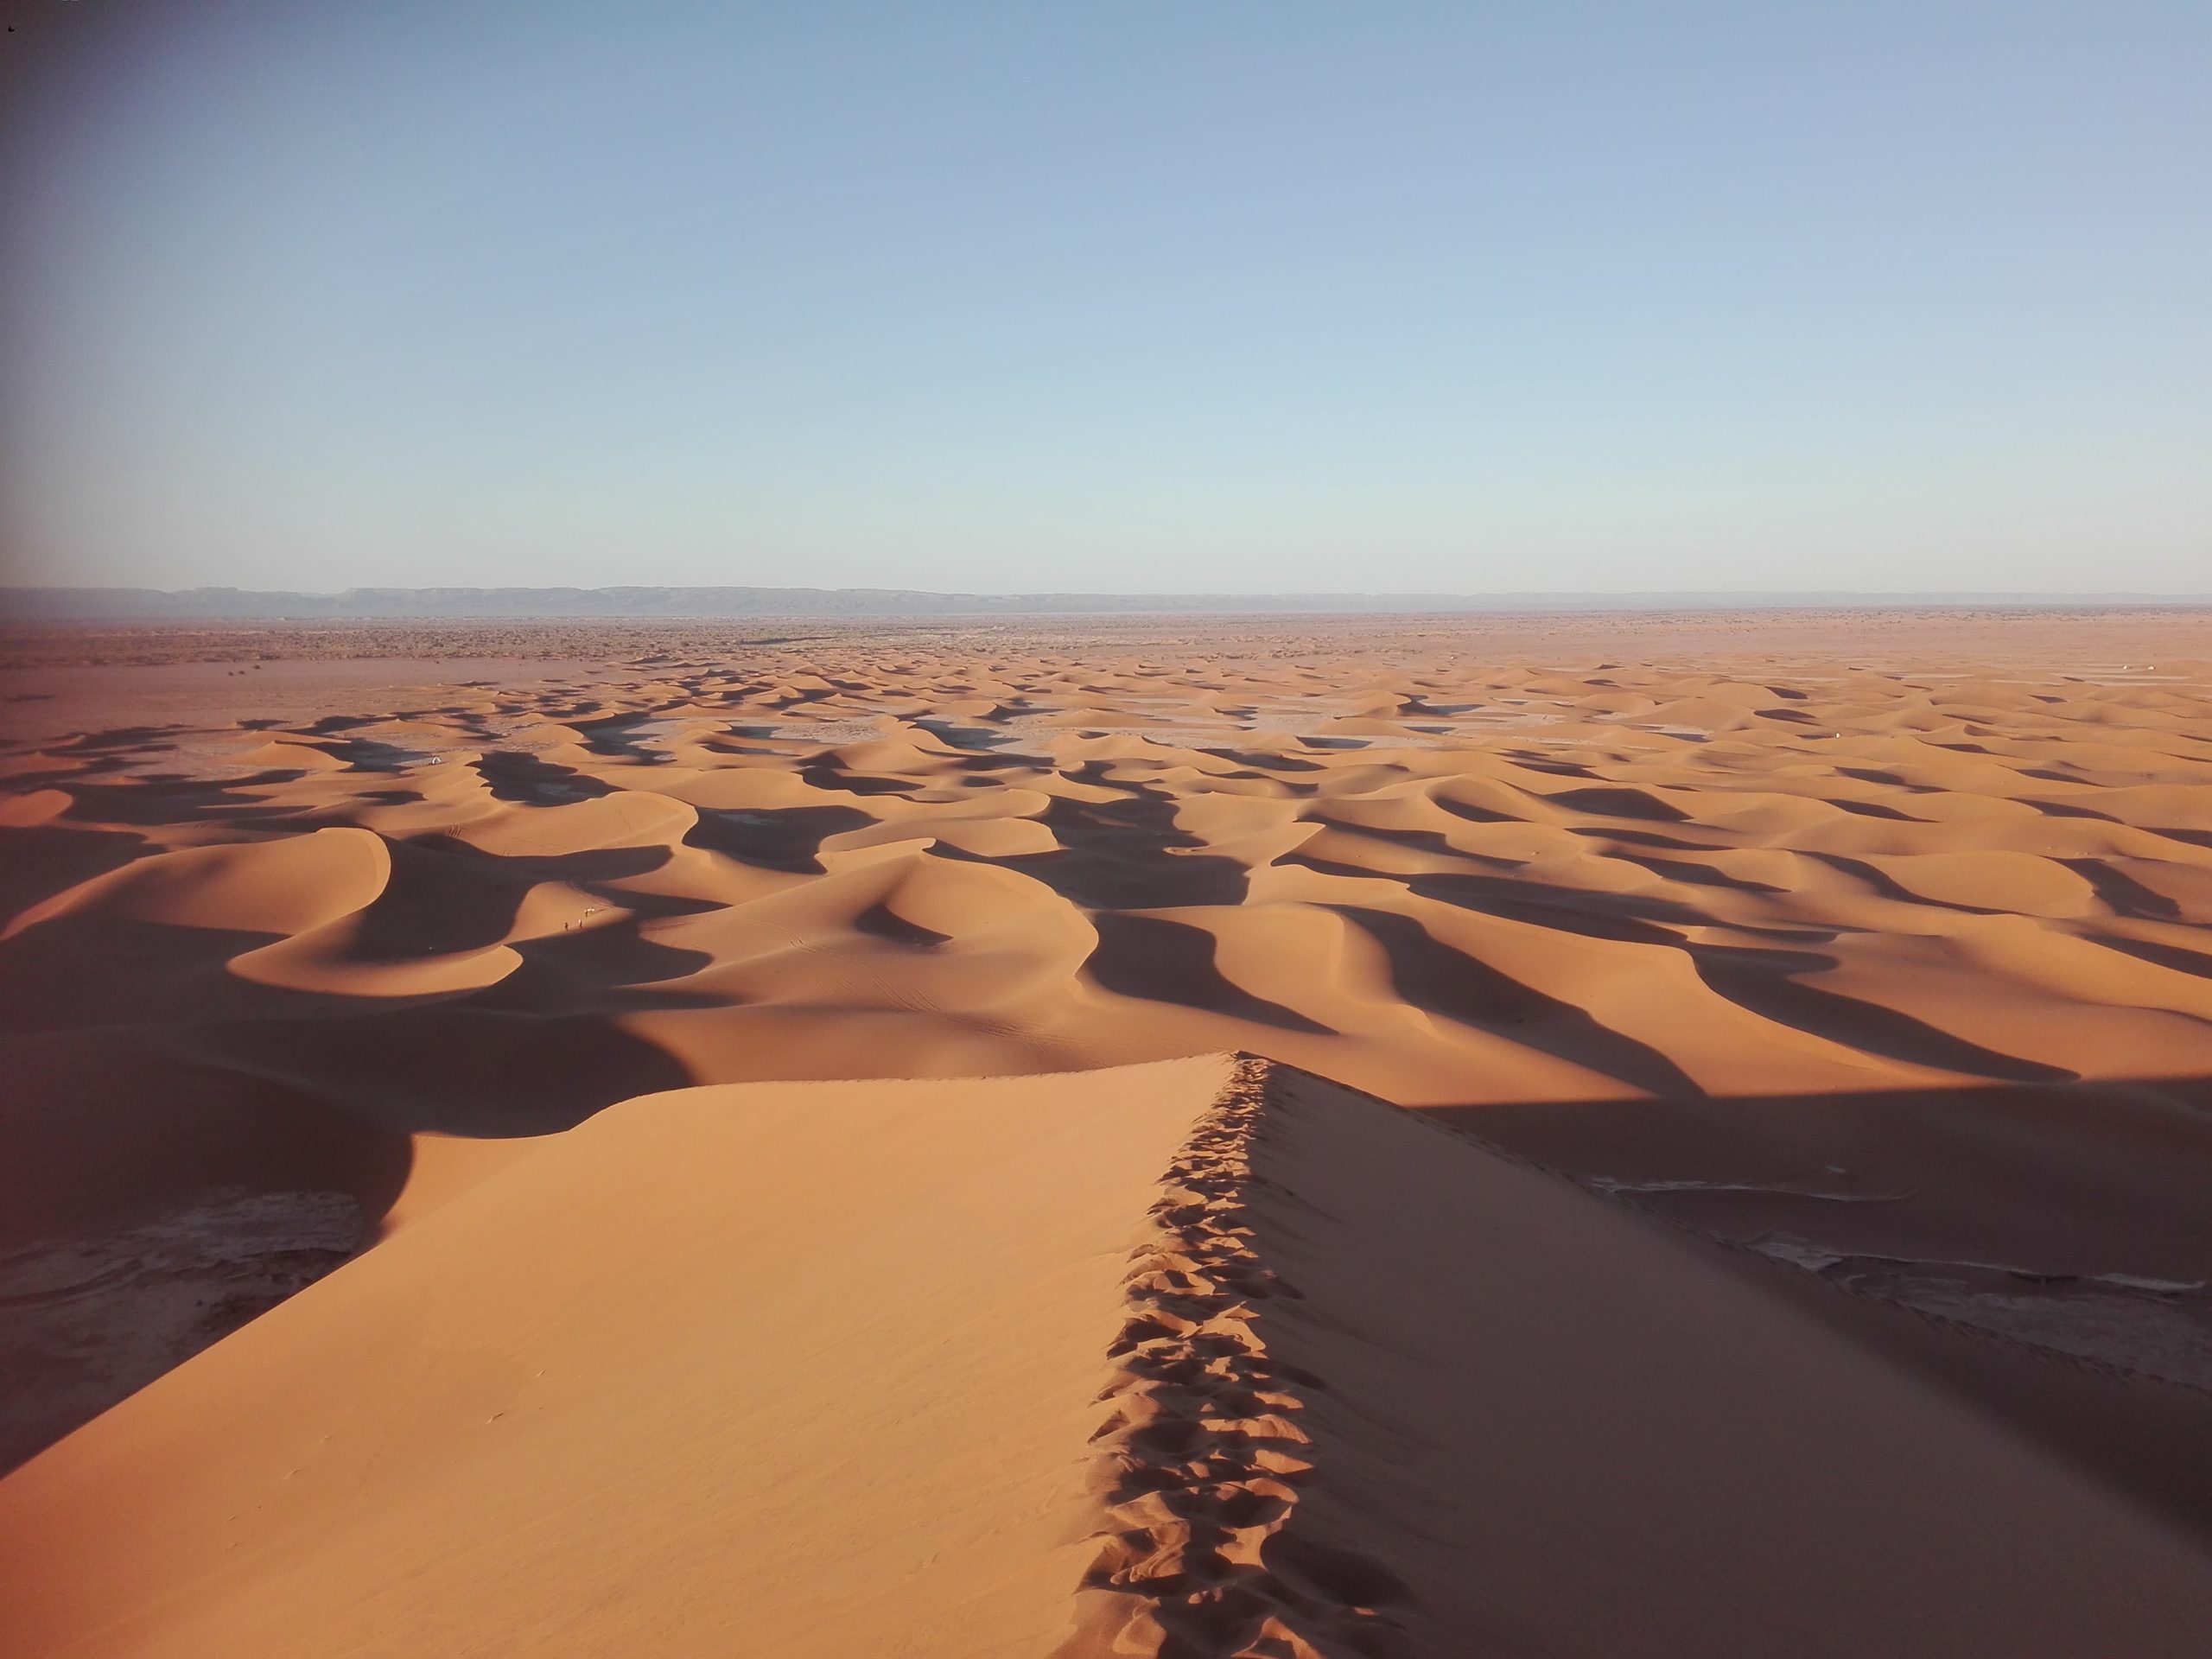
[1164, 961]
[1886, 885]
[622, 737]
[978, 739]
[1432, 975]
[595, 971]
[1472, 813]
[1614, 801]
[879, 921]
[1126, 855]
[367, 754]
[150, 1205]
[164, 800]
[1765, 983]
[2181, 960]
[1871, 809]
[117, 740]
[774, 838]
[1632, 917]
[79, 970]
[2005, 1242]
[1640, 838]
[1690, 874]
[522, 778]
[1431, 842]
[2122, 893]
[39, 861]
[1263, 760]
[436, 900]
[2068, 810]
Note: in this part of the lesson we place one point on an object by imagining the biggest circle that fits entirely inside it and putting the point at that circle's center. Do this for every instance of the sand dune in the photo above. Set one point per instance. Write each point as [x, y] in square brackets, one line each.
[1198, 1358]
[1877, 952]
[781, 1371]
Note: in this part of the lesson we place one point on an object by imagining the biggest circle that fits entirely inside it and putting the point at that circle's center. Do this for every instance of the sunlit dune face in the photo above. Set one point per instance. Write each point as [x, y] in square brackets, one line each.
[1645, 859]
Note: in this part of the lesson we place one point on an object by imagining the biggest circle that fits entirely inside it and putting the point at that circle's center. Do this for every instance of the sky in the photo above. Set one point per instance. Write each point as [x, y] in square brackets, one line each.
[1114, 297]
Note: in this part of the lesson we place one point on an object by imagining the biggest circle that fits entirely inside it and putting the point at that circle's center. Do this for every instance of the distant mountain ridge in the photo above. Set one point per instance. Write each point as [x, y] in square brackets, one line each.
[27, 604]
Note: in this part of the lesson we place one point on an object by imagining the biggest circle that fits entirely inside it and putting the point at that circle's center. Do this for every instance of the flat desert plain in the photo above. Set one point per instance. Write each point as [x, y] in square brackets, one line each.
[1533, 1135]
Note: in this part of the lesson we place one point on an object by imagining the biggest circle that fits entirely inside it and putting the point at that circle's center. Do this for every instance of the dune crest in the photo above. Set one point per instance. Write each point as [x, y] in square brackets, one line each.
[1204, 1358]
[1203, 1448]
[782, 1370]
[1382, 1392]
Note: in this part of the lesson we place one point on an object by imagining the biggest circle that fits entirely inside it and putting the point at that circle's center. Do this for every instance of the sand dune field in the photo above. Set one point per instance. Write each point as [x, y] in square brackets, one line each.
[740, 1131]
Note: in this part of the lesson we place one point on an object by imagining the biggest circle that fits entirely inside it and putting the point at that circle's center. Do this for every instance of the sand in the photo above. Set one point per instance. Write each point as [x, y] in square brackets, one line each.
[1161, 1359]
[1850, 971]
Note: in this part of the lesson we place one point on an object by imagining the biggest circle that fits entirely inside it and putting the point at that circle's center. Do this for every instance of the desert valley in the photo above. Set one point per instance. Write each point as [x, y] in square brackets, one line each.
[1530, 1135]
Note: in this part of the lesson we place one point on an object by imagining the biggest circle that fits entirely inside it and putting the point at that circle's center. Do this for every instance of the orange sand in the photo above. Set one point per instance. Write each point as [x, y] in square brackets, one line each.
[1261, 1366]
[1872, 948]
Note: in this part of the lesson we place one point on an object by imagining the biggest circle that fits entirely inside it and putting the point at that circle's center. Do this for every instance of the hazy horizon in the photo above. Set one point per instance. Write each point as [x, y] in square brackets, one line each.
[985, 300]
[556, 604]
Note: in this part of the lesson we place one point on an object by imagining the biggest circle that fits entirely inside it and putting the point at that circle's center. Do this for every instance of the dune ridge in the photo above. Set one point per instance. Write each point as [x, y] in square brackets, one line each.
[1201, 1451]
[1193, 1358]
[1382, 1393]
[771, 1369]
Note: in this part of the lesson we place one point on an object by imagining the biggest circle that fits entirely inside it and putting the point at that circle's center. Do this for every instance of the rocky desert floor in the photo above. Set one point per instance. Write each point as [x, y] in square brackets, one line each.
[1796, 1243]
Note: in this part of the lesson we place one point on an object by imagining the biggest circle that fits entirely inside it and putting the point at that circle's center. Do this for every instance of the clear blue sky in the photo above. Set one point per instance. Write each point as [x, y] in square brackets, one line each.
[1115, 295]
